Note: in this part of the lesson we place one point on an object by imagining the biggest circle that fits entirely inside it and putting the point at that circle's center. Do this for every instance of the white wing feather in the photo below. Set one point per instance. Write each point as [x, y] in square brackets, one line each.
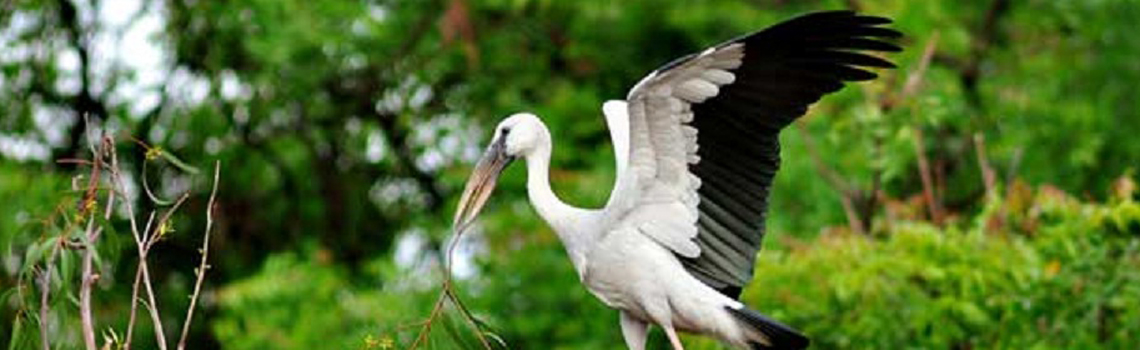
[617, 120]
[654, 191]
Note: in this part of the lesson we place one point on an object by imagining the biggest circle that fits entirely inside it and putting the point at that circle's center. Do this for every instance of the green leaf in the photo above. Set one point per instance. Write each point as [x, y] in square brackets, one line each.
[178, 163]
[36, 251]
[16, 337]
[65, 266]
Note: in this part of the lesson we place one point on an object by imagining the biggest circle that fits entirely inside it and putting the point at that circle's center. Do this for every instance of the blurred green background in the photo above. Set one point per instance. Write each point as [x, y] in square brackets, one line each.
[982, 195]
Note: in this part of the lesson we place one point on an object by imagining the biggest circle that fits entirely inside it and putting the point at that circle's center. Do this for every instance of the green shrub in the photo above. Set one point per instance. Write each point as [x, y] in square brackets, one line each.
[1071, 281]
[297, 302]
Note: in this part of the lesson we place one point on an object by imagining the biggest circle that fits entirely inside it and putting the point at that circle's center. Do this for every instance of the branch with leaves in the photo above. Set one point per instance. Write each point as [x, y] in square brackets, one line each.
[48, 261]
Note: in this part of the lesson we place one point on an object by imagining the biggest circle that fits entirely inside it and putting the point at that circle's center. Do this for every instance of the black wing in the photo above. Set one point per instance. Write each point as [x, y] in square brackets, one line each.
[785, 68]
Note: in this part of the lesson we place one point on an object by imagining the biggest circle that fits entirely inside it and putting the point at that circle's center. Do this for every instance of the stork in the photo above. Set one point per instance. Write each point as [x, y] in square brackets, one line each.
[697, 146]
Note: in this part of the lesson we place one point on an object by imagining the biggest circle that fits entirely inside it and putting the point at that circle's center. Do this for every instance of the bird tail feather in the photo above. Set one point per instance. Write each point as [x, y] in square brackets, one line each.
[779, 336]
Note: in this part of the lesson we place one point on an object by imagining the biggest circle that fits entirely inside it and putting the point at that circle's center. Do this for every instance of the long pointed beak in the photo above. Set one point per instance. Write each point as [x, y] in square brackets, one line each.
[481, 183]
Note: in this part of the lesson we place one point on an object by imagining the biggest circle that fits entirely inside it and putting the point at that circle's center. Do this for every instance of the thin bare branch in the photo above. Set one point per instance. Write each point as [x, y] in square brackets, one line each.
[134, 305]
[853, 221]
[74, 161]
[204, 265]
[159, 334]
[447, 292]
[90, 236]
[135, 291]
[989, 177]
[144, 241]
[914, 81]
[141, 246]
[828, 174]
[846, 194]
[435, 311]
[150, 221]
[927, 182]
[158, 231]
[89, 278]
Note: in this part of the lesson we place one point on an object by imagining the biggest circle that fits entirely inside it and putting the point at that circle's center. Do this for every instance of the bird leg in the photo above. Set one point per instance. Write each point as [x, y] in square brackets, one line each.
[672, 334]
[634, 331]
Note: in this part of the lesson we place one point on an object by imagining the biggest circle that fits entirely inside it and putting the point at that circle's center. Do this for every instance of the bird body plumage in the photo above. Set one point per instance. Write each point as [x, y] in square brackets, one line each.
[696, 146]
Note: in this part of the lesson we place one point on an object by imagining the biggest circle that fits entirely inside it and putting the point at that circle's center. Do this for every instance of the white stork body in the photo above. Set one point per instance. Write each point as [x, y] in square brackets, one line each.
[624, 269]
[696, 146]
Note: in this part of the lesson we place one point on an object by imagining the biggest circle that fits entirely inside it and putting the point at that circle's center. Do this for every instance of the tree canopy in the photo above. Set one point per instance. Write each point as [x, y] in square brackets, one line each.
[982, 194]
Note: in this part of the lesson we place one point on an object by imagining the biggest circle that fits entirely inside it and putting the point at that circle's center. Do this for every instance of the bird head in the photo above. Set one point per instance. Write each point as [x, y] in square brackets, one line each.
[520, 133]
[514, 137]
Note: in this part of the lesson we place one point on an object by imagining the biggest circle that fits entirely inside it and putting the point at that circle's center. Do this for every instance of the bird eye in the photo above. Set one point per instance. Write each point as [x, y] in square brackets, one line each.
[505, 131]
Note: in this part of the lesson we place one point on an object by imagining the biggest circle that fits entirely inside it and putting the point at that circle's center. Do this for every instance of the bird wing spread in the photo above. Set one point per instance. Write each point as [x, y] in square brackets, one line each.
[703, 135]
[617, 120]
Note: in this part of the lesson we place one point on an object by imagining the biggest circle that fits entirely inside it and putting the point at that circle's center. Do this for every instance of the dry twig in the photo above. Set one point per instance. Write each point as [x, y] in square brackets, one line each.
[135, 293]
[89, 277]
[104, 158]
[451, 294]
[846, 194]
[156, 233]
[909, 89]
[134, 306]
[142, 246]
[90, 236]
[928, 192]
[989, 177]
[204, 265]
[447, 292]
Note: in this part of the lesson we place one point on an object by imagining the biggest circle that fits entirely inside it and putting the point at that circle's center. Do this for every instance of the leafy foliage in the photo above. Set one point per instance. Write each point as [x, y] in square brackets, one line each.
[1070, 281]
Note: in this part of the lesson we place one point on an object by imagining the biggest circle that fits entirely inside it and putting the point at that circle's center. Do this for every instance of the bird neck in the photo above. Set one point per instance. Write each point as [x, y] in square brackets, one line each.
[569, 222]
[538, 183]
